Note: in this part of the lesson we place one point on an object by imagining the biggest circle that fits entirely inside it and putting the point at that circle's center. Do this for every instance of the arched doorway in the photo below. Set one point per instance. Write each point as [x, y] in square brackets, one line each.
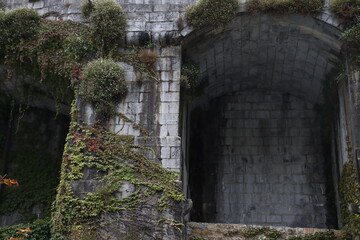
[254, 144]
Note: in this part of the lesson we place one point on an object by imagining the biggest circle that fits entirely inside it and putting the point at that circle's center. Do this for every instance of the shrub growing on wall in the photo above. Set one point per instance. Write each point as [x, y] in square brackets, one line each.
[348, 10]
[215, 13]
[107, 21]
[103, 85]
[285, 6]
[352, 37]
[17, 25]
[190, 75]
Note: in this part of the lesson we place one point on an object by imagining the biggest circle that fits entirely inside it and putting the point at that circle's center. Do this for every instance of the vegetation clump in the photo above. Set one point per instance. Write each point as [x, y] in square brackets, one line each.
[349, 191]
[117, 162]
[266, 231]
[147, 57]
[328, 235]
[103, 85]
[211, 13]
[50, 51]
[285, 6]
[190, 74]
[347, 10]
[2, 5]
[38, 230]
[18, 25]
[108, 23]
[352, 37]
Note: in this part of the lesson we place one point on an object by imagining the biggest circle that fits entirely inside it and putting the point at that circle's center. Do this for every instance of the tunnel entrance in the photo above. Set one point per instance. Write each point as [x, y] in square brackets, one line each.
[32, 139]
[254, 150]
[256, 158]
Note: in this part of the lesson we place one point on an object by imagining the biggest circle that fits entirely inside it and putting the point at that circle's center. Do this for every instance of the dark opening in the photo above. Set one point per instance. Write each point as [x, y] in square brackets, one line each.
[257, 158]
[31, 145]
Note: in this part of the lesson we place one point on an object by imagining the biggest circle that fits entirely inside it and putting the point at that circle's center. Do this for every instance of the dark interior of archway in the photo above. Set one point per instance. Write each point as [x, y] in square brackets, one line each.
[31, 145]
[256, 149]
[257, 157]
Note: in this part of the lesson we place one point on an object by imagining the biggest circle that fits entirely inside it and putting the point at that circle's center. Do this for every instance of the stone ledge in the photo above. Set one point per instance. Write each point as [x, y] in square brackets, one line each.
[221, 231]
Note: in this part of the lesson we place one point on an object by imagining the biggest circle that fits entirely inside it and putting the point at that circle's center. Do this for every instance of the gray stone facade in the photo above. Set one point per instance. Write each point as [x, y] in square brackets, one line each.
[266, 75]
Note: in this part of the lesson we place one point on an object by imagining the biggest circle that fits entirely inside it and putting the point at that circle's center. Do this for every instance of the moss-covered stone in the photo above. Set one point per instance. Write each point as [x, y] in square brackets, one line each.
[114, 161]
[349, 191]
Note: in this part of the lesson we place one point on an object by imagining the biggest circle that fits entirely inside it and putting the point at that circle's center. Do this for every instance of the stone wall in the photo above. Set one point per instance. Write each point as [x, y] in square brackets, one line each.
[279, 56]
[148, 21]
[242, 232]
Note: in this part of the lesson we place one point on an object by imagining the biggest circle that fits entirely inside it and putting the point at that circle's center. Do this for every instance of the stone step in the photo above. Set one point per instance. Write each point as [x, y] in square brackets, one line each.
[219, 231]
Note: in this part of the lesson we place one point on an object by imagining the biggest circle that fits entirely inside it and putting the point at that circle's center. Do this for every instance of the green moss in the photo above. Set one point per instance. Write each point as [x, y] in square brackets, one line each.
[349, 191]
[103, 85]
[269, 233]
[329, 235]
[108, 24]
[40, 230]
[196, 238]
[347, 10]
[117, 162]
[211, 13]
[285, 6]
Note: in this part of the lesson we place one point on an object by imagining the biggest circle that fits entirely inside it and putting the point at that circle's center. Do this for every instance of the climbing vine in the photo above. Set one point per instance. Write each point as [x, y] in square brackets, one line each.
[349, 191]
[190, 74]
[352, 37]
[117, 162]
[348, 12]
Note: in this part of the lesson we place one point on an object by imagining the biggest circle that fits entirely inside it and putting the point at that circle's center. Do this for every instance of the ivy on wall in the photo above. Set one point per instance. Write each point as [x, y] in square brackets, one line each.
[62, 56]
[348, 12]
[117, 162]
[349, 192]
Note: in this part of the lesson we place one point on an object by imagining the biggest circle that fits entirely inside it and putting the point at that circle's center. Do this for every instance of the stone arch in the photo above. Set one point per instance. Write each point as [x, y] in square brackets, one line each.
[254, 137]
